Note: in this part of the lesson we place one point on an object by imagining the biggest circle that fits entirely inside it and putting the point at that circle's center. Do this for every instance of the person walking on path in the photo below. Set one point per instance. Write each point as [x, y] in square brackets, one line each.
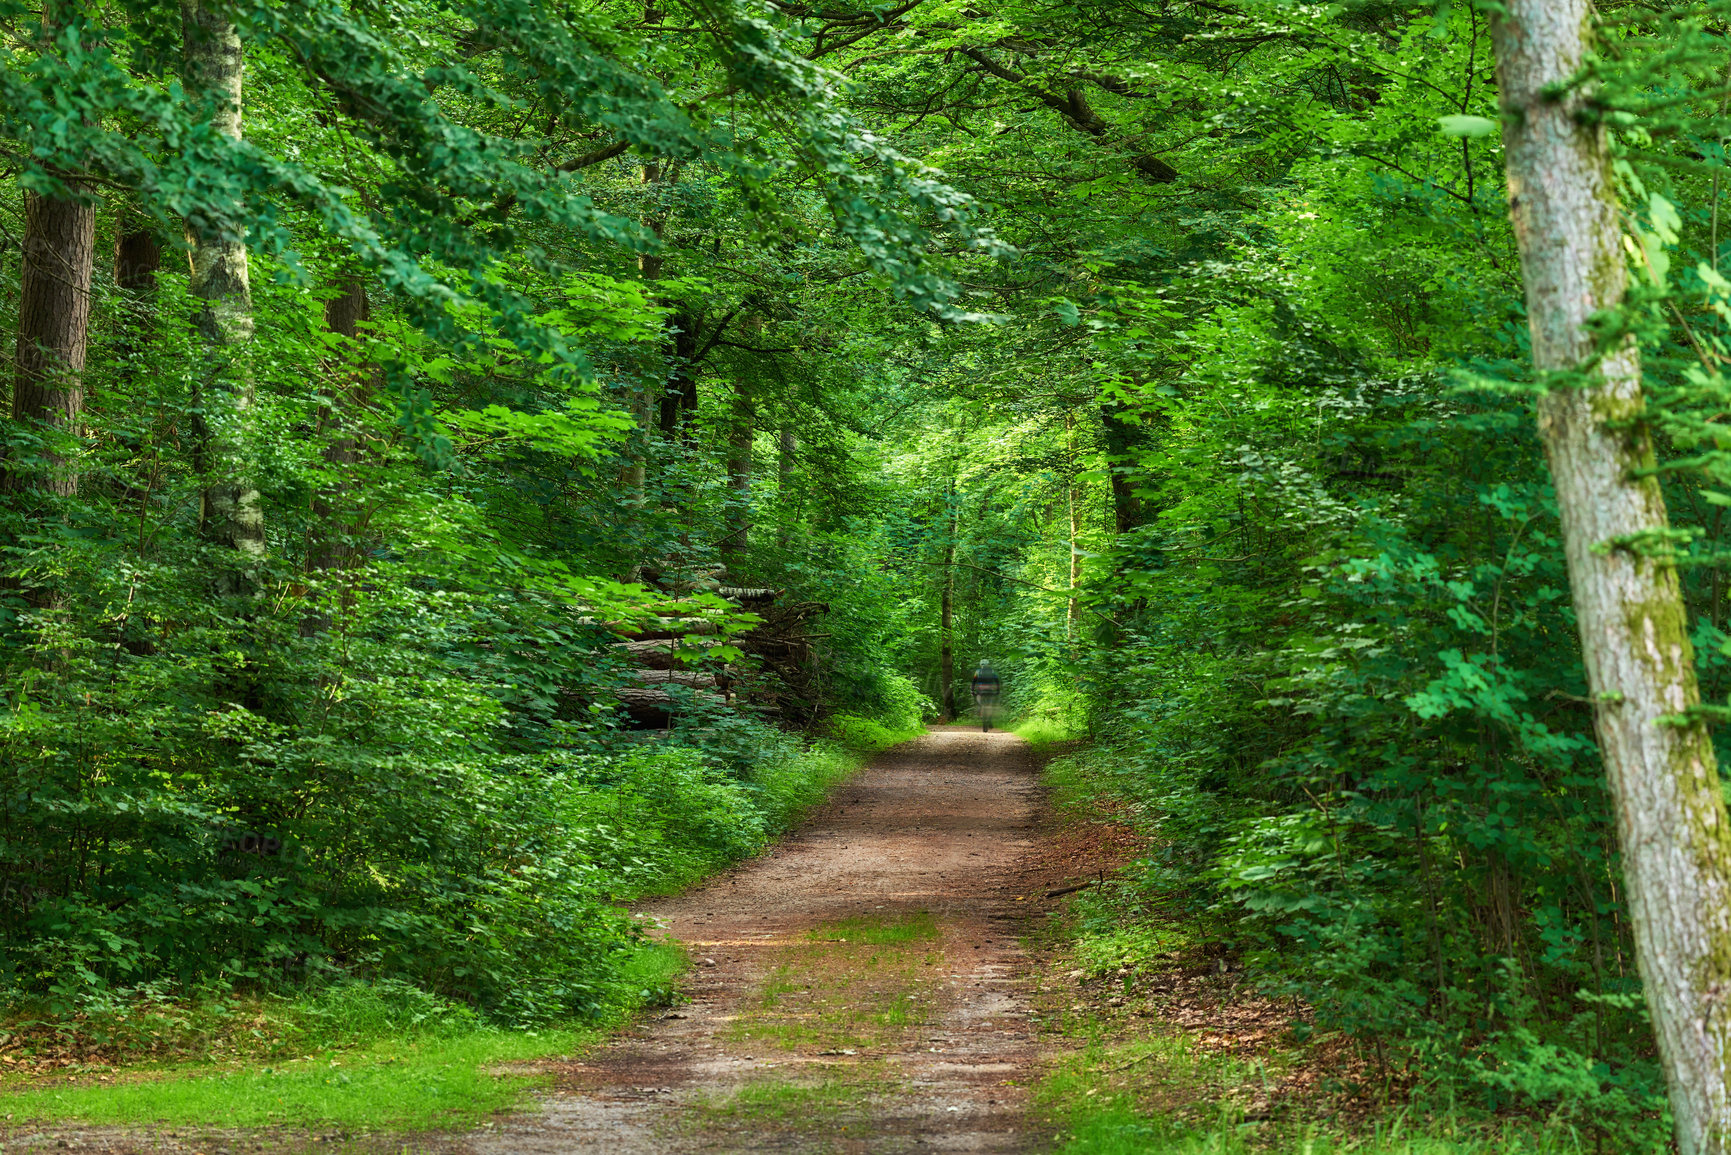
[986, 687]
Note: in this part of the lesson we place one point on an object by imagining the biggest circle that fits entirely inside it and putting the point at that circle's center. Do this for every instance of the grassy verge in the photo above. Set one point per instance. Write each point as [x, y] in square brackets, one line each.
[1171, 1052]
[360, 1056]
[353, 1057]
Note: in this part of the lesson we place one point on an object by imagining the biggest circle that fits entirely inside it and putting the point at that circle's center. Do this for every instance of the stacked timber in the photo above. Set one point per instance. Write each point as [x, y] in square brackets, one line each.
[787, 678]
[666, 673]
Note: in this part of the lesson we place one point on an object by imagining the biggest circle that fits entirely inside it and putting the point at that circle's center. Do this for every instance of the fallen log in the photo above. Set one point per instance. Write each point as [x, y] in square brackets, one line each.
[748, 596]
[671, 628]
[694, 679]
[655, 653]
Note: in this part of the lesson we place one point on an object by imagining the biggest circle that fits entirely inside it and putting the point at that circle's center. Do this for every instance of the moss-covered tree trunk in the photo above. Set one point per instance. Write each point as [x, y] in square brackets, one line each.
[233, 510]
[1664, 782]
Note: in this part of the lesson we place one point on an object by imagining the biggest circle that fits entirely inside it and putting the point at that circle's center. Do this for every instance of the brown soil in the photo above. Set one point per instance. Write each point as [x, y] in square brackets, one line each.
[857, 989]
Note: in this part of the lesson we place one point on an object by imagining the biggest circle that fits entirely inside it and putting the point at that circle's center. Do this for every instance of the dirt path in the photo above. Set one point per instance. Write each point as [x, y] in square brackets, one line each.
[857, 990]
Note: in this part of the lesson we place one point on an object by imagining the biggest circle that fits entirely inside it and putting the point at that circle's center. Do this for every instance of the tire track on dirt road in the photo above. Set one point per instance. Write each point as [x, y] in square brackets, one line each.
[859, 988]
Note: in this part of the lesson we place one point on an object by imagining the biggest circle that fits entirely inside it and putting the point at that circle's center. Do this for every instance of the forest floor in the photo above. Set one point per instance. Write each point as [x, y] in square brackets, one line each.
[861, 988]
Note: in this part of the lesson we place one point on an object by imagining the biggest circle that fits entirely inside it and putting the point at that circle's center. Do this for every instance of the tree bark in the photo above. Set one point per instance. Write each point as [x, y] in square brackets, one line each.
[1075, 555]
[1121, 438]
[137, 258]
[946, 607]
[233, 511]
[333, 548]
[679, 396]
[1662, 774]
[53, 324]
[786, 451]
[739, 442]
[635, 477]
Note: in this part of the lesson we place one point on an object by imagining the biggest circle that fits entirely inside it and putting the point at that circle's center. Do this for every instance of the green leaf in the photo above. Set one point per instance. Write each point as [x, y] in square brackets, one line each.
[1469, 126]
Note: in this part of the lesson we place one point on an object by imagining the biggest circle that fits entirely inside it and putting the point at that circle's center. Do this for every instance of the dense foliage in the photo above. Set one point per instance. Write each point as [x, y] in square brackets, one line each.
[1192, 392]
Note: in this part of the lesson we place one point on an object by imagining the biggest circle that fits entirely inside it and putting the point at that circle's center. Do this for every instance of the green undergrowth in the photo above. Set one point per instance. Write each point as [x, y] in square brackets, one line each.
[1135, 1081]
[1048, 716]
[1161, 1094]
[389, 1054]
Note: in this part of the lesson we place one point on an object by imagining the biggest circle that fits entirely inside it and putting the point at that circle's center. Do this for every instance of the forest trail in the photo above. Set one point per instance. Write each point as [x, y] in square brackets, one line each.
[857, 989]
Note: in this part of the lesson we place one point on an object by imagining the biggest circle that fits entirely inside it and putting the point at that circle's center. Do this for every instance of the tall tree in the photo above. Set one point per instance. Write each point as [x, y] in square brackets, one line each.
[739, 441]
[54, 319]
[137, 258]
[787, 448]
[947, 610]
[1664, 780]
[233, 510]
[333, 548]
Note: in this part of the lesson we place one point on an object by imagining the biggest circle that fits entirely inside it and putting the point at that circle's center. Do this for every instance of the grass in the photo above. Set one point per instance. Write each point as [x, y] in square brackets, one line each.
[856, 984]
[874, 930]
[1042, 731]
[1119, 1131]
[386, 1075]
[806, 1116]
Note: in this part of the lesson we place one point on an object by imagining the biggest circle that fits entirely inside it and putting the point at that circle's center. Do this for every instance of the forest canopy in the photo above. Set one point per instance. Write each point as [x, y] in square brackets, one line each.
[473, 463]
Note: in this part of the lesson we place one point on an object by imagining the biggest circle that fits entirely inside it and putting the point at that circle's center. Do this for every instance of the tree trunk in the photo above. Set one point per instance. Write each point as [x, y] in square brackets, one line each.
[679, 396]
[137, 257]
[53, 323]
[635, 478]
[333, 548]
[1664, 782]
[1075, 556]
[946, 606]
[233, 512]
[787, 449]
[1121, 438]
[739, 442]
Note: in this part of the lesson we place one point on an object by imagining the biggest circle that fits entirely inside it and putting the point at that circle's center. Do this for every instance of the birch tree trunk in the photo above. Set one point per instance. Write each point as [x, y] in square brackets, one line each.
[53, 323]
[1663, 779]
[233, 512]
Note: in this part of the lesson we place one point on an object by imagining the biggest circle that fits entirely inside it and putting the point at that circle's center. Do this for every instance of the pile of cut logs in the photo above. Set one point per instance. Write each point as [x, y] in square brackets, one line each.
[779, 676]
